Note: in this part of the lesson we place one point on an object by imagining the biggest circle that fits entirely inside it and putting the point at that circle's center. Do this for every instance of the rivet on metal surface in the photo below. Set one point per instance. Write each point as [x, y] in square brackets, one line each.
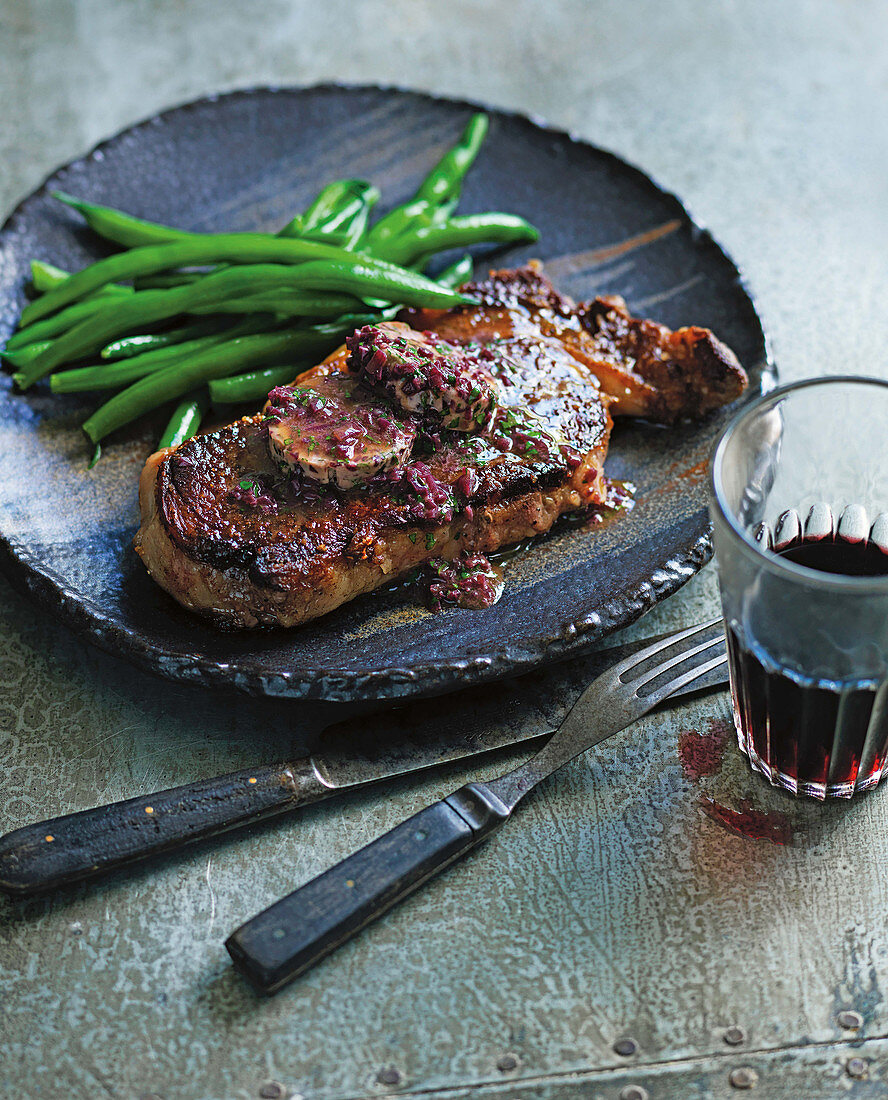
[849, 1020]
[252, 779]
[634, 1092]
[743, 1077]
[857, 1067]
[149, 809]
[507, 1062]
[389, 1076]
[626, 1047]
[49, 838]
[271, 1090]
[734, 1036]
[278, 934]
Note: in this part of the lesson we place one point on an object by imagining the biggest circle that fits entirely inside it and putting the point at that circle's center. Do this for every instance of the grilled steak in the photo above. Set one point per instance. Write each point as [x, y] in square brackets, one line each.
[232, 533]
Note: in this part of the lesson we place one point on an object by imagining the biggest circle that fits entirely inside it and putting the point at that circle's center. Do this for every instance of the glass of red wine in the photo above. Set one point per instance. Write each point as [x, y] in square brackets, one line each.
[800, 515]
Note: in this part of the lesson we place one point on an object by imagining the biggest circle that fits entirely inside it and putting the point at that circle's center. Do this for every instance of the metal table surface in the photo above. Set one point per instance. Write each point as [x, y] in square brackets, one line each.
[654, 890]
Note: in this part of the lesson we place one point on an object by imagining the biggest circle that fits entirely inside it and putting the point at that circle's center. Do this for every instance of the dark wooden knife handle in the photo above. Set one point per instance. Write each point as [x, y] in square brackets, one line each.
[65, 849]
[293, 934]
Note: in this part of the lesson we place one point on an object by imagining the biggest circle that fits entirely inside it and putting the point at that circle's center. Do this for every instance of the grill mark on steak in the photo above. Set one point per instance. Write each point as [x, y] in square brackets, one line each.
[245, 566]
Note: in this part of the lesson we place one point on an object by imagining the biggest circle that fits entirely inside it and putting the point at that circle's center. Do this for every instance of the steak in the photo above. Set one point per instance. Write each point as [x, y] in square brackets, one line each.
[231, 533]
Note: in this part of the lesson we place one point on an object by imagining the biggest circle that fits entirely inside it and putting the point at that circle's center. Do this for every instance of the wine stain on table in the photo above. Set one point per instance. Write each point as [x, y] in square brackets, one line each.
[702, 755]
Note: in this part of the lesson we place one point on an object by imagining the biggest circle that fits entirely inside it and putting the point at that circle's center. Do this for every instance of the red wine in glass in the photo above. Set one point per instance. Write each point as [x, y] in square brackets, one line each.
[810, 735]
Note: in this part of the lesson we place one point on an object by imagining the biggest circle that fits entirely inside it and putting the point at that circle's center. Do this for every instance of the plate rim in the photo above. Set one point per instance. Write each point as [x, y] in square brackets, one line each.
[87, 621]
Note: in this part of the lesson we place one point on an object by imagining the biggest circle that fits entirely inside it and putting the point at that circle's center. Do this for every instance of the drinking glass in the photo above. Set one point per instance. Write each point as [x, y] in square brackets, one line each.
[807, 466]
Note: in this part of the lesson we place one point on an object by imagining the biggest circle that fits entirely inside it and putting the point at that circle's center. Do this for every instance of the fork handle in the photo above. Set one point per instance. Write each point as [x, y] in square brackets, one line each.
[293, 934]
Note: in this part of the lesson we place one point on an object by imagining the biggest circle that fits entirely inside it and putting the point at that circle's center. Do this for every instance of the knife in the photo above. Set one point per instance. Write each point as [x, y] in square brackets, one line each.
[352, 754]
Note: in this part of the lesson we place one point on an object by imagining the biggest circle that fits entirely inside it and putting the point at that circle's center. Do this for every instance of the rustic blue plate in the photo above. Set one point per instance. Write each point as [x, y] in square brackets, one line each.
[249, 160]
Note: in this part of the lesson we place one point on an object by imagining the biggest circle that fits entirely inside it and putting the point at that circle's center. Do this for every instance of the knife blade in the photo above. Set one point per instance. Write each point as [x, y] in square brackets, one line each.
[352, 754]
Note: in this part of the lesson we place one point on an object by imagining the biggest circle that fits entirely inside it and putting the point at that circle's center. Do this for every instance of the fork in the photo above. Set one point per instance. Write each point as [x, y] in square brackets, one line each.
[292, 935]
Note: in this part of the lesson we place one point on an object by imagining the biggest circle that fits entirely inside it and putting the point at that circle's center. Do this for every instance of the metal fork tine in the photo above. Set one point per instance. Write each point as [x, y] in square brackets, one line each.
[686, 678]
[609, 705]
[658, 670]
[643, 655]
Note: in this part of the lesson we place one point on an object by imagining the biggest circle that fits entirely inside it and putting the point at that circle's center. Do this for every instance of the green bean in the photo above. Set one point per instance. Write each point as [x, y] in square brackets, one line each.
[342, 223]
[456, 274]
[129, 346]
[216, 362]
[20, 357]
[445, 179]
[457, 233]
[356, 230]
[337, 205]
[284, 304]
[121, 372]
[122, 228]
[356, 277]
[238, 248]
[129, 231]
[46, 276]
[249, 387]
[184, 422]
[398, 220]
[164, 282]
[62, 322]
[438, 194]
[252, 386]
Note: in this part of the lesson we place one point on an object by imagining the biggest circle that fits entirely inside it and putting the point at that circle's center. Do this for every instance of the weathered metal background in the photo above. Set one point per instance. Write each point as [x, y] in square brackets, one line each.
[655, 891]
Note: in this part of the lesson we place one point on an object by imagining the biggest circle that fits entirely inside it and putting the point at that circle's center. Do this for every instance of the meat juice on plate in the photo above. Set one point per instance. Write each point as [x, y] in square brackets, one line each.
[807, 734]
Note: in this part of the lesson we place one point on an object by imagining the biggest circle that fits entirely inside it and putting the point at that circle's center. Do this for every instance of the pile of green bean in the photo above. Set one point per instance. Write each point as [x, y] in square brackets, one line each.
[223, 317]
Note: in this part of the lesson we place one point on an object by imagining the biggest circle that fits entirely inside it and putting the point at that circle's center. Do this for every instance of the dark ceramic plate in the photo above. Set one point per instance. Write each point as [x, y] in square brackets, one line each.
[248, 161]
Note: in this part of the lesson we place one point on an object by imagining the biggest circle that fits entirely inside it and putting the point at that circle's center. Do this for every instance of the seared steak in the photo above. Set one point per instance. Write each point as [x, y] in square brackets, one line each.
[231, 533]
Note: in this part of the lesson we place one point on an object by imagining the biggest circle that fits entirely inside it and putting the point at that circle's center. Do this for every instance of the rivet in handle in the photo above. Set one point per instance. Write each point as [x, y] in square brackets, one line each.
[634, 1092]
[734, 1036]
[389, 1076]
[625, 1047]
[252, 779]
[507, 1062]
[849, 1020]
[857, 1067]
[49, 838]
[743, 1077]
[149, 809]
